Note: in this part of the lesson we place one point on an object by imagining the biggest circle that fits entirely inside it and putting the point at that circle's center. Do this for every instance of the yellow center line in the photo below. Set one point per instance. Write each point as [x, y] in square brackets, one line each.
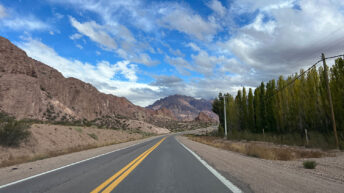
[125, 174]
[109, 180]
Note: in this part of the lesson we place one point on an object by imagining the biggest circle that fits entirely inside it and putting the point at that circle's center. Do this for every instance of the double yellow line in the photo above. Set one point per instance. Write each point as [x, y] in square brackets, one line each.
[124, 172]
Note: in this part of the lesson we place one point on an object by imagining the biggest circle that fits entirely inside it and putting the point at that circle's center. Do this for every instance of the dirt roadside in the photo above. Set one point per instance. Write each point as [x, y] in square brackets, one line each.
[259, 175]
[47, 140]
[21, 171]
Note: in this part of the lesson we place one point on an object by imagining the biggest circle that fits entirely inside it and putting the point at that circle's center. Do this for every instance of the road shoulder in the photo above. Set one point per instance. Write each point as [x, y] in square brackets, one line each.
[260, 175]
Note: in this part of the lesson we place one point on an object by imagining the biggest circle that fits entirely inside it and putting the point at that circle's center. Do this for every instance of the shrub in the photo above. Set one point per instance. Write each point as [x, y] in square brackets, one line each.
[309, 164]
[78, 129]
[13, 132]
[94, 136]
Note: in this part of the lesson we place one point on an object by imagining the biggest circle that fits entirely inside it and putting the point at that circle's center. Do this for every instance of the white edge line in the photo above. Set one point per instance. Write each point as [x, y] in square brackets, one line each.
[53, 170]
[226, 182]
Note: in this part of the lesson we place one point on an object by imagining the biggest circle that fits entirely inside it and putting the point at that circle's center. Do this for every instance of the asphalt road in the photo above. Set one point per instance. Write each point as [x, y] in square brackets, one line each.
[161, 165]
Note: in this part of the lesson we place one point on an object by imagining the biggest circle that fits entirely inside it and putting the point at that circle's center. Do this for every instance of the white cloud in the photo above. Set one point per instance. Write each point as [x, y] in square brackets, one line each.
[24, 23]
[184, 20]
[2, 11]
[103, 75]
[167, 81]
[10, 19]
[95, 32]
[181, 65]
[144, 59]
[115, 38]
[58, 15]
[111, 12]
[260, 26]
[282, 39]
[217, 7]
[79, 46]
[75, 36]
[127, 70]
[248, 6]
[193, 46]
[204, 63]
[176, 52]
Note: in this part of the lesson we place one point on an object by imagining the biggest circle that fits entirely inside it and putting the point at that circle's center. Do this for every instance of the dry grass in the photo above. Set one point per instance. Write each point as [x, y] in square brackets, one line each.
[23, 159]
[262, 150]
[53, 140]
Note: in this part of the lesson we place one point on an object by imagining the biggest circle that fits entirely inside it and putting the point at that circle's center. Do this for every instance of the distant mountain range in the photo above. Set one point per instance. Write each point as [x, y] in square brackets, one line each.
[186, 108]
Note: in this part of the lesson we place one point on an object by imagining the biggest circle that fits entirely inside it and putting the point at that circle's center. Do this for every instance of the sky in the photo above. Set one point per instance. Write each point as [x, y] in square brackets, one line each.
[146, 50]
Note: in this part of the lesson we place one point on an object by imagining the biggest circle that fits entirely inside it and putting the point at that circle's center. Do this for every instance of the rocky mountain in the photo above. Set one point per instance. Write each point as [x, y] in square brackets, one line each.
[203, 116]
[186, 108]
[31, 89]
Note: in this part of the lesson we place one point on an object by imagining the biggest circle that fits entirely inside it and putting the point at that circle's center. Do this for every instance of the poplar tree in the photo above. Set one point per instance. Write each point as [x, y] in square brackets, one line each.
[251, 122]
[280, 107]
[244, 109]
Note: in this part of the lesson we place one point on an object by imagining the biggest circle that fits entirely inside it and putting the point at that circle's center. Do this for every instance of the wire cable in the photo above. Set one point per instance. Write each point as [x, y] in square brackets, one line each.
[301, 74]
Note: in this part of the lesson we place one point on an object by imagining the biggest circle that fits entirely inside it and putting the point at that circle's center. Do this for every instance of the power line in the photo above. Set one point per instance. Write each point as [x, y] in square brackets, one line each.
[301, 74]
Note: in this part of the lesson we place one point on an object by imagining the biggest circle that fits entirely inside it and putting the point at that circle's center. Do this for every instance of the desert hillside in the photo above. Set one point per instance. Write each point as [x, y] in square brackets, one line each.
[51, 140]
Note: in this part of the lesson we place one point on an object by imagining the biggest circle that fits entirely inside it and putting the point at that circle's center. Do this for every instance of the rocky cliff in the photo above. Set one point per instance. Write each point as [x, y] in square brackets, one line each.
[31, 89]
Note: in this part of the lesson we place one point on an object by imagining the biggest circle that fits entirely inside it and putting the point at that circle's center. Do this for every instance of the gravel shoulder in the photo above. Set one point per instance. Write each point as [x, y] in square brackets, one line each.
[259, 175]
[21, 171]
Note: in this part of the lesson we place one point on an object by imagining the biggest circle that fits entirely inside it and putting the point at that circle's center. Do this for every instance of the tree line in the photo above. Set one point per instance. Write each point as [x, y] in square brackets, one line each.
[274, 107]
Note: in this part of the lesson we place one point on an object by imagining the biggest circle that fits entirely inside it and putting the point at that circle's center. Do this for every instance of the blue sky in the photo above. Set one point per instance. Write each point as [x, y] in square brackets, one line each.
[146, 50]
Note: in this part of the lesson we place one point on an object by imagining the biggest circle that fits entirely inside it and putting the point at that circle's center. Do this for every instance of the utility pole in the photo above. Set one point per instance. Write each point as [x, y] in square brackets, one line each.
[224, 112]
[330, 100]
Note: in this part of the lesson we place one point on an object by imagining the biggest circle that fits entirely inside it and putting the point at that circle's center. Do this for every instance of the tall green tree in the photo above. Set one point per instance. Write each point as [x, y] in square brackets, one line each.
[262, 106]
[281, 107]
[257, 111]
[251, 121]
[238, 103]
[218, 109]
[337, 90]
[270, 106]
[244, 109]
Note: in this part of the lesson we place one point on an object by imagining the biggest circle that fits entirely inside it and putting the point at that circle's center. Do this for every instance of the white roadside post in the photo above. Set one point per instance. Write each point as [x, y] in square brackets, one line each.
[224, 111]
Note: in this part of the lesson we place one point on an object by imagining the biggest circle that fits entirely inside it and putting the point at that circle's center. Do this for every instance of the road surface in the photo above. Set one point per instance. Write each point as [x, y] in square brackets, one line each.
[159, 165]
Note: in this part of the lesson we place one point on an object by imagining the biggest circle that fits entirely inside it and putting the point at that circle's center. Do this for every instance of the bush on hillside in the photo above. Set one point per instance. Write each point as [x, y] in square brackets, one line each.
[309, 164]
[12, 132]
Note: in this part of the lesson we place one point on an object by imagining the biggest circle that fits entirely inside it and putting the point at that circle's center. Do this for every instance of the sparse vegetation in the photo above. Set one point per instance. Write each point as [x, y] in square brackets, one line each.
[309, 164]
[78, 129]
[177, 126]
[318, 140]
[23, 159]
[138, 131]
[92, 135]
[12, 132]
[258, 149]
[12, 157]
[50, 113]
